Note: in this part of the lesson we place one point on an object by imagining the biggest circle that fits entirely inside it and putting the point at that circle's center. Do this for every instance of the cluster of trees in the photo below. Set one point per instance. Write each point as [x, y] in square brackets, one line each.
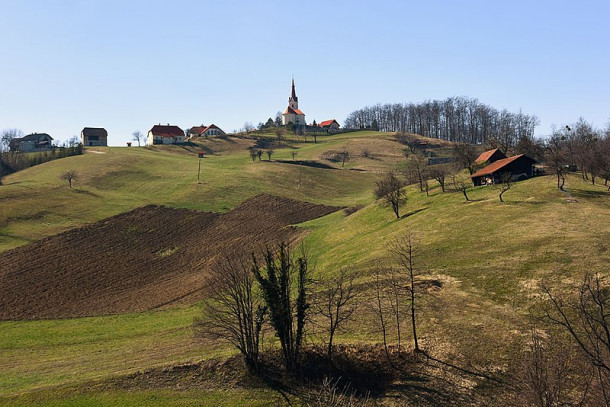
[246, 295]
[275, 289]
[581, 147]
[11, 161]
[455, 119]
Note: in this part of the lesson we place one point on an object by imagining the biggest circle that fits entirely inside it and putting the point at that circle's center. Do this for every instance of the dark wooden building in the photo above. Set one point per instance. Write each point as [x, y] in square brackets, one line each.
[519, 166]
[94, 136]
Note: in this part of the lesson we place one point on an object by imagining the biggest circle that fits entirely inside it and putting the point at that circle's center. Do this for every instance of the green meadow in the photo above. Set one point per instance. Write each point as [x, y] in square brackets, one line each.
[488, 257]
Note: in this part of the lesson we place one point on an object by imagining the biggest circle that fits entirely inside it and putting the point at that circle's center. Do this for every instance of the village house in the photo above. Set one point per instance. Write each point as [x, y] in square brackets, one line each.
[292, 114]
[490, 156]
[519, 167]
[94, 136]
[330, 125]
[211, 130]
[165, 134]
[32, 143]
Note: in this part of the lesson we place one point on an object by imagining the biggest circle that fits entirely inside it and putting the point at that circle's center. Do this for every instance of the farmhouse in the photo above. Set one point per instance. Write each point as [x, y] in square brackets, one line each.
[330, 125]
[519, 166]
[31, 143]
[292, 114]
[490, 156]
[211, 130]
[165, 134]
[94, 136]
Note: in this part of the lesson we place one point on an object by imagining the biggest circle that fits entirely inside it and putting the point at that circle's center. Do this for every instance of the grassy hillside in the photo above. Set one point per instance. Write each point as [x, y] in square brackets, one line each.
[488, 257]
[36, 203]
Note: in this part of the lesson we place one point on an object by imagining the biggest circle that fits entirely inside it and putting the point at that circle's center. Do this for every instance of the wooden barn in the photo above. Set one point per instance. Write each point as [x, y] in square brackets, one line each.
[519, 166]
[94, 136]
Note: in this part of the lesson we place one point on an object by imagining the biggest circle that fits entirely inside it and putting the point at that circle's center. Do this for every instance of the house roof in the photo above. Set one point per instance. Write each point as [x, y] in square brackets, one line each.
[290, 110]
[95, 131]
[485, 156]
[34, 137]
[203, 129]
[197, 129]
[167, 131]
[497, 165]
[327, 122]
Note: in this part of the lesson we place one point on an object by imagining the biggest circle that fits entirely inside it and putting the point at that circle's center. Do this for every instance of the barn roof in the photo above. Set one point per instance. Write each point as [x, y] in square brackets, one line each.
[95, 131]
[34, 137]
[166, 131]
[497, 165]
[486, 155]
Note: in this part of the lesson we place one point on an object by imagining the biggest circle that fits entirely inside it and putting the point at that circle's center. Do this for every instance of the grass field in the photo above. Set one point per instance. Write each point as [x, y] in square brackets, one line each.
[489, 256]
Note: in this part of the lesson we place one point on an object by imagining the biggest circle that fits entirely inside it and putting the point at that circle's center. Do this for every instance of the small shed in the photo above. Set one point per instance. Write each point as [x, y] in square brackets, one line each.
[519, 166]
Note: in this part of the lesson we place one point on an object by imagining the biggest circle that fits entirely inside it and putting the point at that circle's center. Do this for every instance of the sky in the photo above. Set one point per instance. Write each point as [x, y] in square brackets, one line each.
[126, 65]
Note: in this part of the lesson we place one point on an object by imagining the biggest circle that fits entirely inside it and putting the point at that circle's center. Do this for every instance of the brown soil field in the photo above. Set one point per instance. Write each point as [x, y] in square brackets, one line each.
[140, 260]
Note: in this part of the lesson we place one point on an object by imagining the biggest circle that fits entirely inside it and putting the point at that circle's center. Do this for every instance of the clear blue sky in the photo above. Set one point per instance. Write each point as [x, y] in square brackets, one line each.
[126, 65]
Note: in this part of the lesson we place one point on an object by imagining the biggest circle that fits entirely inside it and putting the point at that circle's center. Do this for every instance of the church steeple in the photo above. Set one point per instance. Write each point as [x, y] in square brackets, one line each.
[293, 100]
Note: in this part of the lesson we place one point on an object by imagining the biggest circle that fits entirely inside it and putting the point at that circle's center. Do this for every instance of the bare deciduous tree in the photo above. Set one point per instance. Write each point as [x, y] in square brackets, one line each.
[337, 305]
[293, 154]
[403, 251]
[465, 156]
[390, 190]
[343, 156]
[504, 184]
[587, 321]
[253, 153]
[269, 154]
[416, 169]
[6, 136]
[138, 136]
[439, 173]
[234, 312]
[69, 176]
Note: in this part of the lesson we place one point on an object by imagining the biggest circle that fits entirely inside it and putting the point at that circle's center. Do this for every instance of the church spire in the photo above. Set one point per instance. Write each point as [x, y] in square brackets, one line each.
[293, 100]
[294, 93]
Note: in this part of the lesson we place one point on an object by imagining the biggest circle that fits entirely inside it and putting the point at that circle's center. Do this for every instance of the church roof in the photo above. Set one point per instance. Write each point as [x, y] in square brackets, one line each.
[290, 110]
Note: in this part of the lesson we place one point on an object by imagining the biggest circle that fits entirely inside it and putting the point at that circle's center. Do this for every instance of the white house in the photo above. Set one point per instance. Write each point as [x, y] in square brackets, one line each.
[211, 130]
[165, 134]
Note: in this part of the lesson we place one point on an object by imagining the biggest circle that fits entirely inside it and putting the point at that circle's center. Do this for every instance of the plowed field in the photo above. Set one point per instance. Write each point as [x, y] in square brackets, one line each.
[144, 259]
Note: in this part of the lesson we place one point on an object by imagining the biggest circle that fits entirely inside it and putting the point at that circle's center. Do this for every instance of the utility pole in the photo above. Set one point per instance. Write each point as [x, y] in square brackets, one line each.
[200, 155]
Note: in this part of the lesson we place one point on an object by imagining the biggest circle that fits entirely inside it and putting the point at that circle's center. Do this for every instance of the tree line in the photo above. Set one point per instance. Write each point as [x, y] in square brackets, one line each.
[459, 119]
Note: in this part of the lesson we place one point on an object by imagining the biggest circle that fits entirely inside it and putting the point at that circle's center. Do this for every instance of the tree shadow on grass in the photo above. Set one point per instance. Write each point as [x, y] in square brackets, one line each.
[406, 215]
[582, 193]
[85, 192]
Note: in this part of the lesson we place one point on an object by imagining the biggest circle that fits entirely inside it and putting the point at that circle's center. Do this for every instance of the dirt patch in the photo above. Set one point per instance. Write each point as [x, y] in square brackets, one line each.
[144, 259]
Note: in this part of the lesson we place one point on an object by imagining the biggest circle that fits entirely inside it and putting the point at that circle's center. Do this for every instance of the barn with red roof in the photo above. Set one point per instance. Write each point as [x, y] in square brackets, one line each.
[519, 166]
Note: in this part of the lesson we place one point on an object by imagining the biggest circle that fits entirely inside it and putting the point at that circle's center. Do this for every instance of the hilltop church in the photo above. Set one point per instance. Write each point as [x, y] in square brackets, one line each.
[293, 114]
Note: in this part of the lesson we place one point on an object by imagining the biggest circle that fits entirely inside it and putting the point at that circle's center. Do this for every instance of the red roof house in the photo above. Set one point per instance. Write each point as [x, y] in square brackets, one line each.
[165, 134]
